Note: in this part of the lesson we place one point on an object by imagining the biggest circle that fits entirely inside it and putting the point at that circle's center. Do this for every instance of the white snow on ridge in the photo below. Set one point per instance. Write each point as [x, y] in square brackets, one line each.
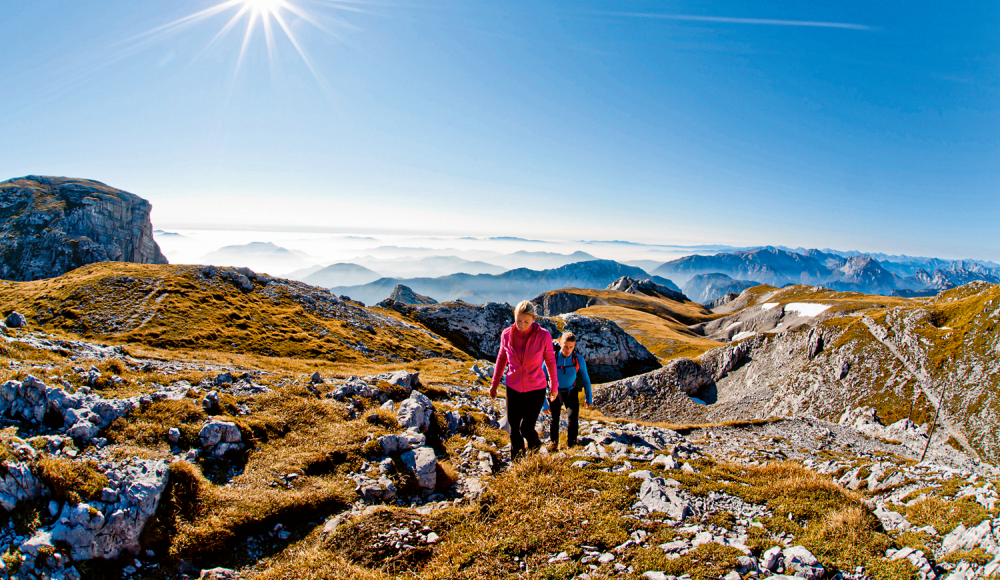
[742, 335]
[809, 309]
[769, 305]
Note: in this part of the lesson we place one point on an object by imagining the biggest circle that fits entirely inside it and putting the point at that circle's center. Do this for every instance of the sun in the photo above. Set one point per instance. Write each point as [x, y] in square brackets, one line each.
[265, 6]
[272, 16]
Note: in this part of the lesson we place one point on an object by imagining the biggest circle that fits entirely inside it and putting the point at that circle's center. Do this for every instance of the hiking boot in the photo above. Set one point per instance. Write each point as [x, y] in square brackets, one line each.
[571, 444]
[553, 447]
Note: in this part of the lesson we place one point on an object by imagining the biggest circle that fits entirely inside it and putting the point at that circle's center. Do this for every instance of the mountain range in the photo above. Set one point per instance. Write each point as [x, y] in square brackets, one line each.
[512, 286]
[858, 273]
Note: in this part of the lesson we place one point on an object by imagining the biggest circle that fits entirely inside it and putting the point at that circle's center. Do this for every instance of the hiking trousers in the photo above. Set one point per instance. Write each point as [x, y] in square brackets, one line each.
[572, 402]
[522, 414]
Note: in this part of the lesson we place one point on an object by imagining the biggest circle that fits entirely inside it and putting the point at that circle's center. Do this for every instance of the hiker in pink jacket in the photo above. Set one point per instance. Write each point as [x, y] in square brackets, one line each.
[524, 347]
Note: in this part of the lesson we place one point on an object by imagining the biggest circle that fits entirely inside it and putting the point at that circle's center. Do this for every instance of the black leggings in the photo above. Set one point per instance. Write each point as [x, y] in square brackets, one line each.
[522, 414]
[572, 402]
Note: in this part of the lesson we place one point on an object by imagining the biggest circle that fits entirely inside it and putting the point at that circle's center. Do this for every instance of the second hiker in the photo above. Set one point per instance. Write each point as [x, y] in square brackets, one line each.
[571, 372]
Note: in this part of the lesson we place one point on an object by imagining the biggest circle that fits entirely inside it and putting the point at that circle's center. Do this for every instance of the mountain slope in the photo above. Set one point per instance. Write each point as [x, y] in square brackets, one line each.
[660, 324]
[768, 266]
[805, 350]
[705, 288]
[259, 256]
[220, 309]
[511, 287]
[850, 271]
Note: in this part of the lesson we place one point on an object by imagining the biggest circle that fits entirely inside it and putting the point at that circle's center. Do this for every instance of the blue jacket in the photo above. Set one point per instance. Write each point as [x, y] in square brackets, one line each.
[567, 376]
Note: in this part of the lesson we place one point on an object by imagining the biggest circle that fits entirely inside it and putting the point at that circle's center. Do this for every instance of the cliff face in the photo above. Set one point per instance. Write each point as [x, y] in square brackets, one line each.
[51, 225]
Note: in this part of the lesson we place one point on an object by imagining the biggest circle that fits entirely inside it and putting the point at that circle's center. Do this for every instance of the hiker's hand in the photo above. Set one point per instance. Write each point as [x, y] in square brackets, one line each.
[493, 392]
[553, 396]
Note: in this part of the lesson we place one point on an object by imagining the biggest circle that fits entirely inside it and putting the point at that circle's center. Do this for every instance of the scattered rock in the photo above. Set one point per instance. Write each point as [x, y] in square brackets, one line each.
[415, 412]
[657, 496]
[16, 320]
[422, 465]
[220, 437]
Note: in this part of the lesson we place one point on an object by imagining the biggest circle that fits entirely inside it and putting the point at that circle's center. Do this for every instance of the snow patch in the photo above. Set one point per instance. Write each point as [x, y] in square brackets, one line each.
[769, 305]
[809, 309]
[733, 325]
[743, 335]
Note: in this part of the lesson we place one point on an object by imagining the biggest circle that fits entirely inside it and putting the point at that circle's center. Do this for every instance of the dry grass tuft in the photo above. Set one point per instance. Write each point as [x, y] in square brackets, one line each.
[71, 481]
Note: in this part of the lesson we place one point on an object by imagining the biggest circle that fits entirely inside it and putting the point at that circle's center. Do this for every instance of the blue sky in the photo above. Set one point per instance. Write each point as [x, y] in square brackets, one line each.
[853, 125]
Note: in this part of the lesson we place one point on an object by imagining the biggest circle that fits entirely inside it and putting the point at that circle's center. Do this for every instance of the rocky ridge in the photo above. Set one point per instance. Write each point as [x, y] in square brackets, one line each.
[823, 357]
[51, 225]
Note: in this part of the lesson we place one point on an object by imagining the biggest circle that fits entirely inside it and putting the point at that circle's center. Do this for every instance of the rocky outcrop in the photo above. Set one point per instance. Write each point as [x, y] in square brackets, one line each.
[665, 394]
[561, 302]
[405, 295]
[472, 328]
[611, 353]
[51, 225]
[80, 415]
[656, 287]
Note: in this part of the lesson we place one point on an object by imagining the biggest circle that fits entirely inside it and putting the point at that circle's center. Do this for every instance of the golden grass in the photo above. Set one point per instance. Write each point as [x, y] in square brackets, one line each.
[539, 506]
[664, 337]
[176, 307]
[71, 481]
[684, 313]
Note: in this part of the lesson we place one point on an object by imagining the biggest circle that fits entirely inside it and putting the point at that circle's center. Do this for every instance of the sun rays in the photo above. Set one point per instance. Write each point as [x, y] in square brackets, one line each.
[274, 19]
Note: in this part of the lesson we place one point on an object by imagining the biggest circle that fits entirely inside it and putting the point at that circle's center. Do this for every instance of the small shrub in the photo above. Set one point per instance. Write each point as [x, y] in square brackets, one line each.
[372, 449]
[72, 481]
[978, 556]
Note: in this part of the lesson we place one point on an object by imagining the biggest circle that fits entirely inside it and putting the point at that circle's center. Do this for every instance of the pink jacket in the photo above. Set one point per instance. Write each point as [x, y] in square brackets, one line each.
[524, 368]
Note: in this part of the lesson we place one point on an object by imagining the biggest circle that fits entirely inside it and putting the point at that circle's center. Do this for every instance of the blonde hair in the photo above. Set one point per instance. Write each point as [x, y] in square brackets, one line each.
[567, 337]
[525, 307]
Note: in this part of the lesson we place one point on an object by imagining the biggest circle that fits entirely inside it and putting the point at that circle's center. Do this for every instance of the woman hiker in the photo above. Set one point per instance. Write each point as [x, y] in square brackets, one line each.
[571, 371]
[524, 348]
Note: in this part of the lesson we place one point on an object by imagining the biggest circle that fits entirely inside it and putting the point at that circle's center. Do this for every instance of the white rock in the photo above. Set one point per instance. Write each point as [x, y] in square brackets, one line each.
[657, 496]
[667, 461]
[771, 558]
[415, 411]
[422, 464]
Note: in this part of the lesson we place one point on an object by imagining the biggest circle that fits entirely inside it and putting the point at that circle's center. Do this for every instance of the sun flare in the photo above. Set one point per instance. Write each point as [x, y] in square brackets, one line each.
[271, 14]
[265, 6]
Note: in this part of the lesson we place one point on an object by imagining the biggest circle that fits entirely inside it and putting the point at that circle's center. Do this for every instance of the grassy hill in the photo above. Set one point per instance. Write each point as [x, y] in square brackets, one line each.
[216, 309]
[658, 323]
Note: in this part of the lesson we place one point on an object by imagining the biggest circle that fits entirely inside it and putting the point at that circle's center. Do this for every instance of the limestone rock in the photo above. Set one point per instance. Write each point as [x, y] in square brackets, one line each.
[18, 484]
[472, 328]
[658, 496]
[51, 225]
[83, 414]
[610, 352]
[219, 574]
[422, 464]
[658, 395]
[220, 437]
[802, 563]
[658, 288]
[105, 529]
[415, 412]
[372, 491]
